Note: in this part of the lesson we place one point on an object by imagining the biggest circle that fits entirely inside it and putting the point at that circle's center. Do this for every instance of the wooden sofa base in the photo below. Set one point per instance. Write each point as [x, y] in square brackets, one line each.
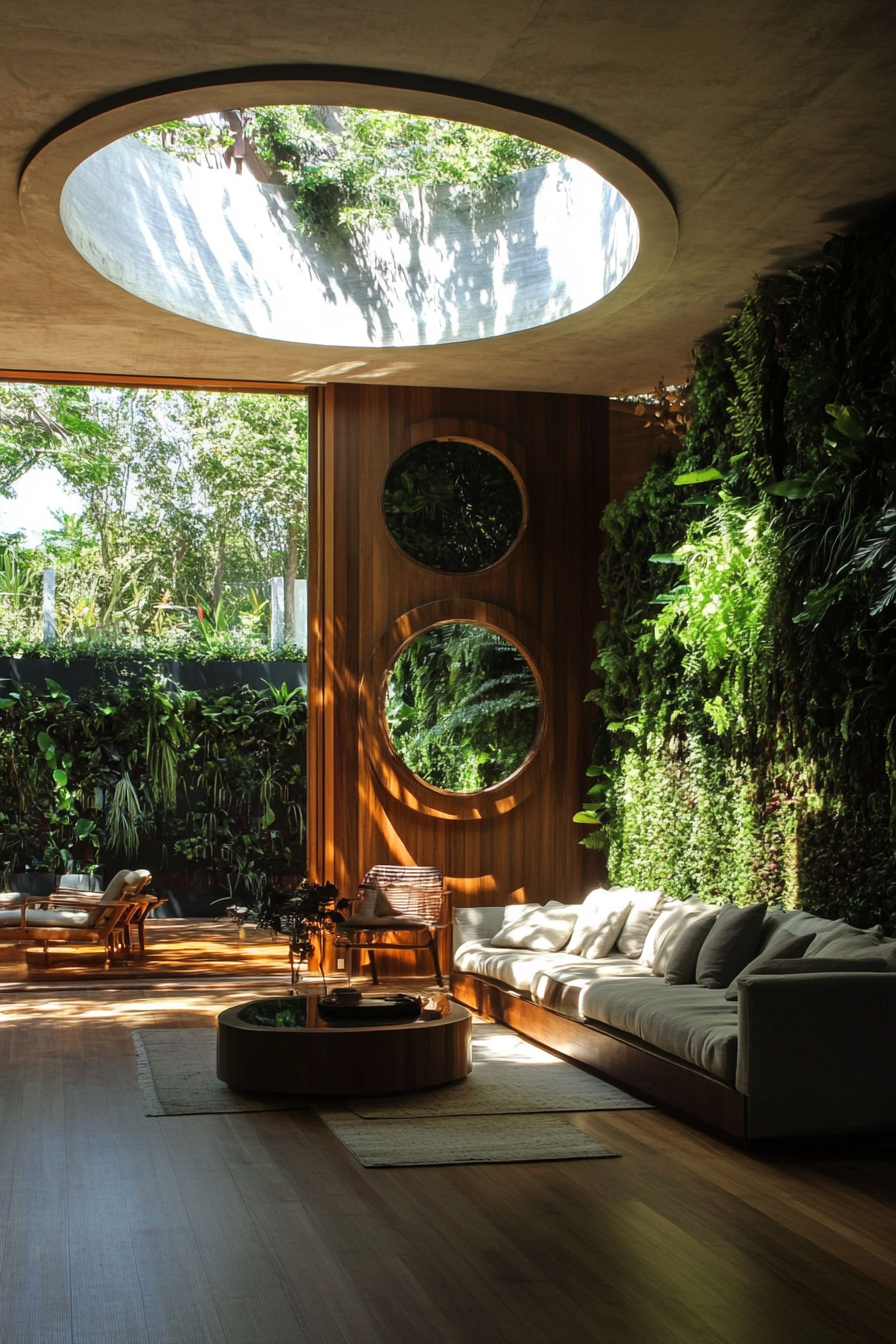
[657, 1076]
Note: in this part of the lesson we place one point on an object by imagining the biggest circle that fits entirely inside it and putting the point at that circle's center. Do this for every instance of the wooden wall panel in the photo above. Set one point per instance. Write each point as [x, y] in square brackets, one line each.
[361, 584]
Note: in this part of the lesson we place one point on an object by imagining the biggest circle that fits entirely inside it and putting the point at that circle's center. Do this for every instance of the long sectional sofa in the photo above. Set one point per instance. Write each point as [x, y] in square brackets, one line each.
[804, 1047]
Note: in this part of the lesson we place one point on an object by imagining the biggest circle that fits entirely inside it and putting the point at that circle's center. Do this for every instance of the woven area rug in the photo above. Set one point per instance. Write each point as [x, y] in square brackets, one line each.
[511, 1079]
[461, 1139]
[509, 1076]
[176, 1072]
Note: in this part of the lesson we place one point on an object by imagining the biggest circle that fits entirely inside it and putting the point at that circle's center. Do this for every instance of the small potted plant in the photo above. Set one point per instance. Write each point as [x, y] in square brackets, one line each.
[304, 913]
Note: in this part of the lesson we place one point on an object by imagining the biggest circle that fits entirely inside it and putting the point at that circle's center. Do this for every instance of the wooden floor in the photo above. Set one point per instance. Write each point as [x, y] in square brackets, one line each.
[261, 1229]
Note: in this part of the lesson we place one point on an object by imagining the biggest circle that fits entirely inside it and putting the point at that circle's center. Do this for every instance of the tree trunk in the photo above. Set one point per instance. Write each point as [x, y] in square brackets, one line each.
[289, 594]
[218, 586]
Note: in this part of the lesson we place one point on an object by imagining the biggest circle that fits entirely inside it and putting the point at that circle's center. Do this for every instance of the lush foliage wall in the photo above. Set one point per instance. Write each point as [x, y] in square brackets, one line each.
[746, 744]
[139, 773]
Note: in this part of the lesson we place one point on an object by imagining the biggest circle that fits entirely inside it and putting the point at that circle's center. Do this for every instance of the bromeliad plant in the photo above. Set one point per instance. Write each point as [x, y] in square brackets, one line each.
[303, 914]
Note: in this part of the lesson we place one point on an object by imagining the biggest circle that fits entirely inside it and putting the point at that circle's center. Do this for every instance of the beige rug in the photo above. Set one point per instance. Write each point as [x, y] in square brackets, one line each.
[176, 1072]
[509, 1075]
[501, 1113]
[461, 1140]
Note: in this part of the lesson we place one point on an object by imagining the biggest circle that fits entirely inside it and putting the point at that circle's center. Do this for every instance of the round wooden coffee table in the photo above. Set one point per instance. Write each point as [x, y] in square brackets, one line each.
[323, 1059]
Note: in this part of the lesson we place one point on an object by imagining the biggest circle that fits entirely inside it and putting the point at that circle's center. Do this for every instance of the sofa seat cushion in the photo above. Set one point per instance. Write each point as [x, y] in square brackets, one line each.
[514, 967]
[560, 987]
[686, 1021]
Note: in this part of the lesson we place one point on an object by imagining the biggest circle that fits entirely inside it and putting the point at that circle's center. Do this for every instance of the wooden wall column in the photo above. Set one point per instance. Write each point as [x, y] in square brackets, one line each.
[365, 594]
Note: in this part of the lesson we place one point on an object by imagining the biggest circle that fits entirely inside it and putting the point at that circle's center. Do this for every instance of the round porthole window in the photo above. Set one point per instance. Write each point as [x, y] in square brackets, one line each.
[453, 506]
[462, 707]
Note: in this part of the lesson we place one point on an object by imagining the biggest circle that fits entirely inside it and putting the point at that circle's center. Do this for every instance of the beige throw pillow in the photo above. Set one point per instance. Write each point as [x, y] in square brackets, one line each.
[401, 900]
[542, 928]
[601, 919]
[645, 911]
[673, 918]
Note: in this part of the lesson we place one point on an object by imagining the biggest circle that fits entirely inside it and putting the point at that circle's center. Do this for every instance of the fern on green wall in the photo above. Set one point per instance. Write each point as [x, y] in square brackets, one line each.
[746, 741]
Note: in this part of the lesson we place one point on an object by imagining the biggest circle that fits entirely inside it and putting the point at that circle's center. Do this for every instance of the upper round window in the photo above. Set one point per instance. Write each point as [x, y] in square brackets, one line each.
[453, 506]
[462, 707]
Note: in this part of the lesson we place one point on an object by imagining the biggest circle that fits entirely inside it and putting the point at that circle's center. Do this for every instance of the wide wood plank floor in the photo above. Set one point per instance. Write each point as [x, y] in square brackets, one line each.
[261, 1229]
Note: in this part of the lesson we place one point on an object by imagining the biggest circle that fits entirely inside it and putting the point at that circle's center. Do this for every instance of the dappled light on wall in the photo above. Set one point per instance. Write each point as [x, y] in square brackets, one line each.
[229, 250]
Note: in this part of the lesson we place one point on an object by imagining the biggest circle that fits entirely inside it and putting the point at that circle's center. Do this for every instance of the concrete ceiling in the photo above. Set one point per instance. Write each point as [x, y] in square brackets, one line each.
[767, 125]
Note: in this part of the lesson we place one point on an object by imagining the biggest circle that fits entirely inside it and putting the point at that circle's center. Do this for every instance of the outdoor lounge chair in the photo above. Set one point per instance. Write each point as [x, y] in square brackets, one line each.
[401, 909]
[76, 918]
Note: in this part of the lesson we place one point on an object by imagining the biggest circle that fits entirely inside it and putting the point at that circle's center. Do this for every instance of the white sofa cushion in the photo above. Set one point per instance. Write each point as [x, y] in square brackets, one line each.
[686, 1021]
[513, 967]
[645, 910]
[476, 923]
[560, 987]
[543, 928]
[601, 918]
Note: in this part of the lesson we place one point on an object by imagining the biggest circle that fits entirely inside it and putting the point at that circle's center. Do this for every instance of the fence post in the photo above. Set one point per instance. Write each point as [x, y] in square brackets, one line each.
[276, 614]
[301, 610]
[49, 606]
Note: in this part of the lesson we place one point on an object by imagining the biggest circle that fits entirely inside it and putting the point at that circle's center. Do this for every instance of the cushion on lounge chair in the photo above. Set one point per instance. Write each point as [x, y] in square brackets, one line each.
[113, 890]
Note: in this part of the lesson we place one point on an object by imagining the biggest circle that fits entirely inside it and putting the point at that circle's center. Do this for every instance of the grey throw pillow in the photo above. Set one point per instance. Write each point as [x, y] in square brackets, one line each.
[792, 950]
[681, 960]
[845, 941]
[820, 966]
[733, 942]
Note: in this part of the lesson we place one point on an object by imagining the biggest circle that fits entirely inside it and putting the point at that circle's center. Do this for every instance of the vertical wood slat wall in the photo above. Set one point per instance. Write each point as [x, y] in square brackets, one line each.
[360, 584]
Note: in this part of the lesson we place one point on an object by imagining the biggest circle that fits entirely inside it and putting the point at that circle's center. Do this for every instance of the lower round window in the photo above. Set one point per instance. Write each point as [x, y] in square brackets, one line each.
[462, 707]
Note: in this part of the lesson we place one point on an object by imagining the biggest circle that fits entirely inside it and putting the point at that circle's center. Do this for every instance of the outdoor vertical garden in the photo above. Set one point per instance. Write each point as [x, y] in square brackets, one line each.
[155, 717]
[746, 739]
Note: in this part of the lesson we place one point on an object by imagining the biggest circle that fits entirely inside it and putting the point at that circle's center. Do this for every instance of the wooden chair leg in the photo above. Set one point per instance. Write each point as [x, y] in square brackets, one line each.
[435, 961]
[373, 974]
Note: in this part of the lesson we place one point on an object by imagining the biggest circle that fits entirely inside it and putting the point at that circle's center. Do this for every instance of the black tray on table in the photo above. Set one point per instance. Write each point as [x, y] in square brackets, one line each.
[372, 1010]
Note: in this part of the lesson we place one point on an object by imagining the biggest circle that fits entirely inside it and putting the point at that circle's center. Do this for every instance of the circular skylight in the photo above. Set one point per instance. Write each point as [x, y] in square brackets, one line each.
[444, 262]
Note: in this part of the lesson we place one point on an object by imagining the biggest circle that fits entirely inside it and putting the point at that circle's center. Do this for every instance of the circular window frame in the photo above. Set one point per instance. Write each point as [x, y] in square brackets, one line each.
[483, 444]
[383, 760]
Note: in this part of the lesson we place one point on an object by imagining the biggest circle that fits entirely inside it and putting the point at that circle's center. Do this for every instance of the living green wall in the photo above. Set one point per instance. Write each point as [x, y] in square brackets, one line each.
[746, 736]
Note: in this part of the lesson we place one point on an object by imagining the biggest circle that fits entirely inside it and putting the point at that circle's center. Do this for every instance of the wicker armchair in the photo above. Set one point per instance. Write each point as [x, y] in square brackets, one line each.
[393, 900]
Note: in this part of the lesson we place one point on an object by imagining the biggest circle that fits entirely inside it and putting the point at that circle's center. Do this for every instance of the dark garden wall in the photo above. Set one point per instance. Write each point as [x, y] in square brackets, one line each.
[746, 746]
[117, 765]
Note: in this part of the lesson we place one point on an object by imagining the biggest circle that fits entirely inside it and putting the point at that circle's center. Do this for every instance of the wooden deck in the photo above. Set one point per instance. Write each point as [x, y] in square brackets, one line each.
[175, 948]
